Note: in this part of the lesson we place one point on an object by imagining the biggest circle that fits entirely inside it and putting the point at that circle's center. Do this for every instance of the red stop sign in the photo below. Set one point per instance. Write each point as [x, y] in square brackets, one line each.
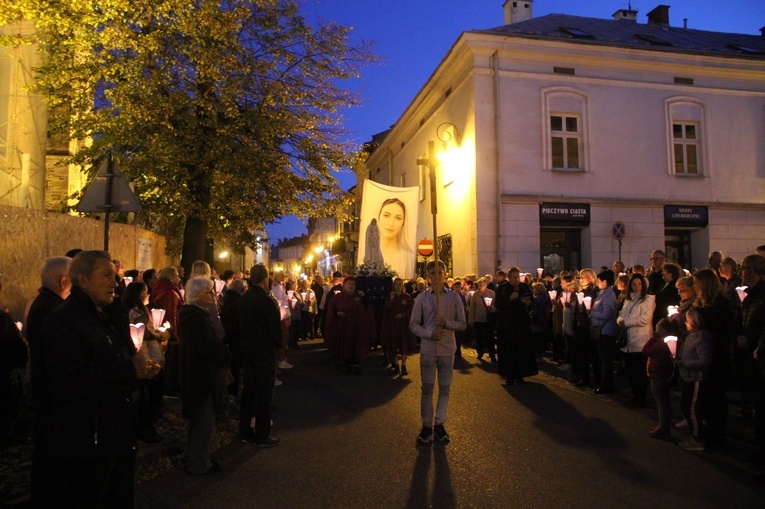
[425, 247]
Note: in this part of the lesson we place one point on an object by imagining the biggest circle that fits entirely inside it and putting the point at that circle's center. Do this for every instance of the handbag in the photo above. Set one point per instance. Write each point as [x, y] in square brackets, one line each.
[622, 337]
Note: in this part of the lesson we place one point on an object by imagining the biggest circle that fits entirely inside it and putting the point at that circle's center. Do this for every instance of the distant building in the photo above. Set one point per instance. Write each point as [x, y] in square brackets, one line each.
[561, 134]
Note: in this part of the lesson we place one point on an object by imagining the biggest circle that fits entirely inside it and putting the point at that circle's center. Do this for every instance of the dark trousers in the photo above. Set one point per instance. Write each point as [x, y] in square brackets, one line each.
[484, 338]
[257, 399]
[715, 407]
[173, 368]
[606, 347]
[660, 387]
[635, 363]
[105, 483]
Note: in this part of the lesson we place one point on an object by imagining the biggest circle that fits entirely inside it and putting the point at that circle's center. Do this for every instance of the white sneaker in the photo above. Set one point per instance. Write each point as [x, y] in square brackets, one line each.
[277, 382]
[285, 365]
[682, 424]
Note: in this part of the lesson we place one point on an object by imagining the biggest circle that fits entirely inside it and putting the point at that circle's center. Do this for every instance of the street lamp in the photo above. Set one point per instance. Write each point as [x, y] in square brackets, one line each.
[445, 132]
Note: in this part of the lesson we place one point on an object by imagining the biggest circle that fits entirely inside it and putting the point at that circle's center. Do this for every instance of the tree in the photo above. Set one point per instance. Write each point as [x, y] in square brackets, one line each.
[225, 114]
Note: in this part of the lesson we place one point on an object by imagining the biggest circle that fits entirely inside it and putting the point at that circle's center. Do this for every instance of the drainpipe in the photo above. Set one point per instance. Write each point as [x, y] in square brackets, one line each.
[498, 155]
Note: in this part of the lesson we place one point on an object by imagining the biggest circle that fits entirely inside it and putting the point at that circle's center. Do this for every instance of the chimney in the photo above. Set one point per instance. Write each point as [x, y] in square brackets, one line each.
[659, 16]
[762, 32]
[626, 14]
[517, 10]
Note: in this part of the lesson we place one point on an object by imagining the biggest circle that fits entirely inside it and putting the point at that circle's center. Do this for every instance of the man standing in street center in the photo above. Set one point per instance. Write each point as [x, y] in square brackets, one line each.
[260, 337]
[435, 328]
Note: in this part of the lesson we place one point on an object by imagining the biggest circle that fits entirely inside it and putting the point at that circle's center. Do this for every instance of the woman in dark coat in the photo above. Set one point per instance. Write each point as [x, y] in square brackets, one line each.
[204, 358]
[395, 335]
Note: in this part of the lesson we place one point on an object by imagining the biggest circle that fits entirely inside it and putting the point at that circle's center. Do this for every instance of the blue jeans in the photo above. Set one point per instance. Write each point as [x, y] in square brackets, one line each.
[430, 367]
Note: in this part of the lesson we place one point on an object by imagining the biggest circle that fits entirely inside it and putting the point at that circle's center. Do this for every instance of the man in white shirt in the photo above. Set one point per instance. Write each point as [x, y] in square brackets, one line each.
[437, 348]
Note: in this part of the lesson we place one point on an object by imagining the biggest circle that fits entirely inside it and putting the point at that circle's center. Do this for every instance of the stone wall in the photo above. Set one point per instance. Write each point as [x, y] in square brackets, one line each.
[28, 237]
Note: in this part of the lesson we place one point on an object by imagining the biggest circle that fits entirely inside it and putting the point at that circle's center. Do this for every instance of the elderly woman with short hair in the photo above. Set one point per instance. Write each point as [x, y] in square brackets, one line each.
[203, 358]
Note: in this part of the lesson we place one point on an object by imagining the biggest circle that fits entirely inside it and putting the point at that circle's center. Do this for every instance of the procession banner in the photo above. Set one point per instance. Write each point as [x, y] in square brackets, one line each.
[394, 209]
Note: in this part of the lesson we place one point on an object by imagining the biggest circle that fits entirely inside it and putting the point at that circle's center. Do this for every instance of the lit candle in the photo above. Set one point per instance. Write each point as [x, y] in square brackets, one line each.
[127, 280]
[136, 334]
[219, 284]
[552, 294]
[540, 271]
[741, 290]
[672, 311]
[587, 303]
[157, 315]
[488, 301]
[671, 342]
[165, 326]
[19, 326]
[580, 297]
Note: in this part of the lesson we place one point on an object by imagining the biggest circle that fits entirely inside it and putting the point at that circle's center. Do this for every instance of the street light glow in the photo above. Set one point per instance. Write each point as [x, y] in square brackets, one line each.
[223, 255]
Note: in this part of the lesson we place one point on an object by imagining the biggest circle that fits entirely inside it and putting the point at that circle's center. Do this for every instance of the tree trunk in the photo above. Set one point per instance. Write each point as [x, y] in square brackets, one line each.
[194, 242]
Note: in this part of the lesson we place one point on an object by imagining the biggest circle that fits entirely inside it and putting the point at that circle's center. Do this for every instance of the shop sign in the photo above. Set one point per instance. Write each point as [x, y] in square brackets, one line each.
[564, 214]
[686, 215]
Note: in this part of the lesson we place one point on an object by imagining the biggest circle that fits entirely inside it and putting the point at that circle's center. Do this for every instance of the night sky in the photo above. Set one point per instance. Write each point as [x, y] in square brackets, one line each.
[412, 37]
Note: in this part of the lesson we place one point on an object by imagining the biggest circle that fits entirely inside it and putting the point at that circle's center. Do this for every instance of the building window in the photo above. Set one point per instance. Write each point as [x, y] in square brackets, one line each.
[686, 148]
[687, 152]
[565, 139]
[565, 142]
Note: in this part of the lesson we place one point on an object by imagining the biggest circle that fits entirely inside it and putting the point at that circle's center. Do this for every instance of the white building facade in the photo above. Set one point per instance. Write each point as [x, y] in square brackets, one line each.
[561, 134]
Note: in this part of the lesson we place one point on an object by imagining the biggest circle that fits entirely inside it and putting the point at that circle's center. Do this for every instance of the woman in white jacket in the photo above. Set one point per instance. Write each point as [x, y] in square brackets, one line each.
[636, 316]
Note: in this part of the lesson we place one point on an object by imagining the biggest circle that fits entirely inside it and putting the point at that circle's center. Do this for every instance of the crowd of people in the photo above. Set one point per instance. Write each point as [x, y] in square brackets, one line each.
[107, 346]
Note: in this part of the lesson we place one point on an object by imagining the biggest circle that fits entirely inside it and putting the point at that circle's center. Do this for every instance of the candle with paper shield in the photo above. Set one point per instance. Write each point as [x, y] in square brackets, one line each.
[488, 301]
[587, 303]
[219, 284]
[540, 271]
[741, 290]
[127, 280]
[19, 326]
[580, 297]
[671, 342]
[165, 326]
[552, 294]
[672, 311]
[157, 315]
[136, 334]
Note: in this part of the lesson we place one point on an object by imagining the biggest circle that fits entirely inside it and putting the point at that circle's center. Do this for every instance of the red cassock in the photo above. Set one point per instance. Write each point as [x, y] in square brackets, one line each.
[395, 335]
[348, 335]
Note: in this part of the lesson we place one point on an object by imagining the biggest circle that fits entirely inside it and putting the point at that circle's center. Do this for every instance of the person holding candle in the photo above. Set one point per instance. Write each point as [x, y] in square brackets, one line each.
[204, 356]
[694, 362]
[667, 295]
[636, 316]
[752, 341]
[167, 296]
[660, 368]
[347, 326]
[480, 308]
[541, 309]
[603, 316]
[91, 370]
[584, 348]
[149, 404]
[721, 322]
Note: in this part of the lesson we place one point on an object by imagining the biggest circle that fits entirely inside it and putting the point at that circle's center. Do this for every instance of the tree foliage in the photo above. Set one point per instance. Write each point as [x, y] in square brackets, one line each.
[225, 114]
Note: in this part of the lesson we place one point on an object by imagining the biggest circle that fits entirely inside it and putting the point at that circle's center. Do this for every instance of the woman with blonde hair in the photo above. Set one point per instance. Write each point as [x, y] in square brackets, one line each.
[720, 320]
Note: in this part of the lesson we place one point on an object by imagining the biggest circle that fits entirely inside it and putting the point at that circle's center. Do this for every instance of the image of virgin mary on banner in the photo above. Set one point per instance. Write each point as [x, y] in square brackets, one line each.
[389, 227]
